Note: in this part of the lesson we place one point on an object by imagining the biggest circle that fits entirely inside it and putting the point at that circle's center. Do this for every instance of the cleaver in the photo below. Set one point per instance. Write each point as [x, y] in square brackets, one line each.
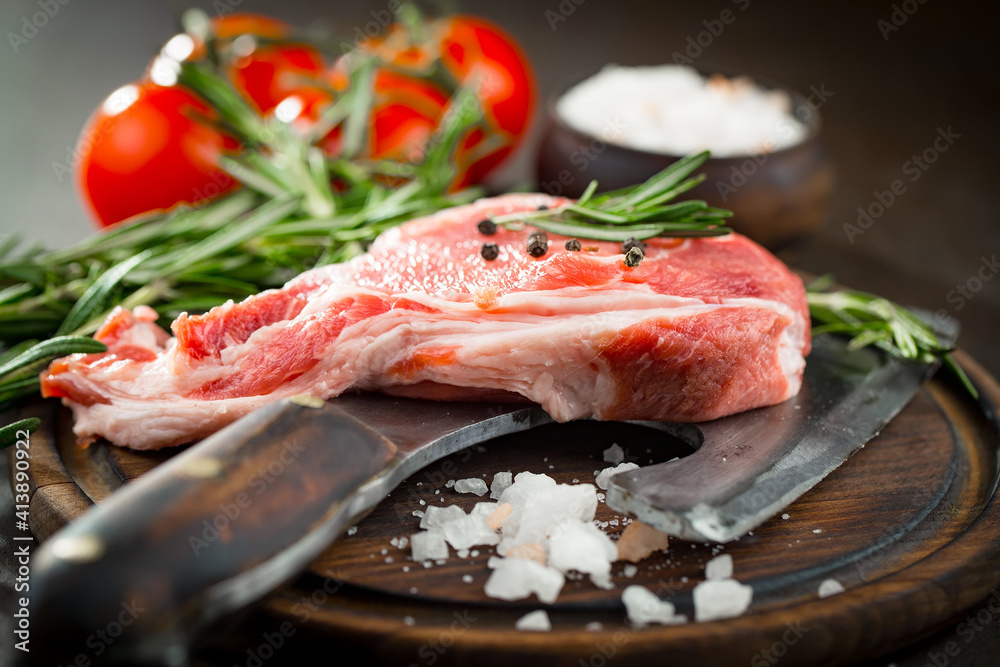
[195, 539]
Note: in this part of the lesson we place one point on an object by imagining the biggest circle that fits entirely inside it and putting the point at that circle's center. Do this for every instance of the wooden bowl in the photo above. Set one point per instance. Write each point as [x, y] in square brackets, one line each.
[776, 197]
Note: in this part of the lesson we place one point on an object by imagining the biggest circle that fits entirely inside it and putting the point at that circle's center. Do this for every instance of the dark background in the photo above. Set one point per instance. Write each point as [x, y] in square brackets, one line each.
[891, 93]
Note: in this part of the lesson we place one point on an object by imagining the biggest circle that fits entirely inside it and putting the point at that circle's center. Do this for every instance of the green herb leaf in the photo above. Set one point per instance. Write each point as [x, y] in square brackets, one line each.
[873, 320]
[98, 294]
[642, 211]
[9, 434]
[59, 346]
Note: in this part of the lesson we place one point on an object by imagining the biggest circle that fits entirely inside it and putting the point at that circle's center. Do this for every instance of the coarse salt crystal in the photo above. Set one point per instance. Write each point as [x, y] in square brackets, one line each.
[484, 509]
[428, 545]
[518, 578]
[471, 485]
[525, 484]
[721, 599]
[584, 548]
[501, 481]
[830, 587]
[604, 477]
[469, 531]
[536, 621]
[644, 607]
[532, 518]
[720, 567]
[614, 454]
[438, 516]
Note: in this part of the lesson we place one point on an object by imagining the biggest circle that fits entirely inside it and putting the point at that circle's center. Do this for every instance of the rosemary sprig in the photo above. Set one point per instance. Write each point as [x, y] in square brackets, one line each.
[639, 212]
[873, 320]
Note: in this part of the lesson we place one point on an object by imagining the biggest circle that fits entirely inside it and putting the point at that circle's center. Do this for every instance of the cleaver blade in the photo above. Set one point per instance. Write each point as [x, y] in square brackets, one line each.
[748, 467]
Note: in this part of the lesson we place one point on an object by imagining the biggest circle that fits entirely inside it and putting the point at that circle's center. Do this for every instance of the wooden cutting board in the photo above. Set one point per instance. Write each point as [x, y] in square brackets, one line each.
[910, 526]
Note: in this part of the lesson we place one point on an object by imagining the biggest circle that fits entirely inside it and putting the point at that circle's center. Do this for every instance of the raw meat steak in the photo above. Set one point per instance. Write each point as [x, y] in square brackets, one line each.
[700, 329]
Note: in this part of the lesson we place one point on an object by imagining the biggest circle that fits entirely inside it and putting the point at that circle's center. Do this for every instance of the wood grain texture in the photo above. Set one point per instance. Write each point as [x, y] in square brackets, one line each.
[910, 526]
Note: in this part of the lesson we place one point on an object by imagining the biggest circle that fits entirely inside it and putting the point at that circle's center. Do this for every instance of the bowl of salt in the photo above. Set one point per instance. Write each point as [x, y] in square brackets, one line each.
[621, 125]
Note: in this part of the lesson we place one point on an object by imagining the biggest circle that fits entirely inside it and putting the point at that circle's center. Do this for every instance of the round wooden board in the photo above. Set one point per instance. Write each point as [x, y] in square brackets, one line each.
[910, 526]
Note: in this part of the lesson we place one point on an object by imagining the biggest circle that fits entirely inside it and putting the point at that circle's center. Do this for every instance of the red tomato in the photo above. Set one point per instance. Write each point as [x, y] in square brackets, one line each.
[471, 49]
[272, 71]
[144, 149]
[405, 112]
[234, 25]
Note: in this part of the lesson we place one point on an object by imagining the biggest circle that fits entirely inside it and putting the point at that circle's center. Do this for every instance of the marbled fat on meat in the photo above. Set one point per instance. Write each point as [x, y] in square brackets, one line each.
[702, 328]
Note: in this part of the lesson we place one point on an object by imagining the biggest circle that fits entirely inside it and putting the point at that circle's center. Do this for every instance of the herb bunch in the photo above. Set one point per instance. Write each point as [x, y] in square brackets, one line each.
[637, 212]
[872, 320]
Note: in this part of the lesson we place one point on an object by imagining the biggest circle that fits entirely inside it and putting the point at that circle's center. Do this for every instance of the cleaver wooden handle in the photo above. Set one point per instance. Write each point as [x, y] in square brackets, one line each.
[133, 578]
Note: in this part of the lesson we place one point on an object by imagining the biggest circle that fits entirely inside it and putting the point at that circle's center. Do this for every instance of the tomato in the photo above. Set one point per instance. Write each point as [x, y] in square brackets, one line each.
[270, 73]
[145, 149]
[472, 47]
[265, 69]
[273, 70]
[234, 25]
[470, 50]
[405, 111]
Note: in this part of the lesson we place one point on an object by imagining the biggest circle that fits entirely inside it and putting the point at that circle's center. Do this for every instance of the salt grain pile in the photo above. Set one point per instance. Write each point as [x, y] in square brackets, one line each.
[673, 109]
[545, 534]
[542, 531]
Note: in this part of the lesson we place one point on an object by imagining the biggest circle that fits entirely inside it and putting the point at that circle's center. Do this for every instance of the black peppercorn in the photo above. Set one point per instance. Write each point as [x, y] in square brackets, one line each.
[489, 251]
[632, 243]
[543, 207]
[538, 244]
[487, 227]
[573, 245]
[633, 257]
